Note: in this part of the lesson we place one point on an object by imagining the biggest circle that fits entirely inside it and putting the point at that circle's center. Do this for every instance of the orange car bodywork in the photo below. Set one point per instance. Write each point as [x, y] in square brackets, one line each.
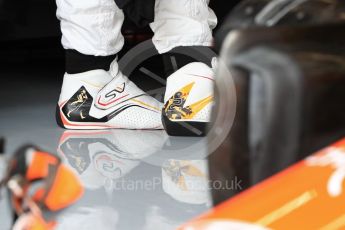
[308, 195]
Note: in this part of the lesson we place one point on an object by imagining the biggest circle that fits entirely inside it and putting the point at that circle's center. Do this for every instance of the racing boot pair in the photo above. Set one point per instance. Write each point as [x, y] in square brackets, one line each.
[101, 99]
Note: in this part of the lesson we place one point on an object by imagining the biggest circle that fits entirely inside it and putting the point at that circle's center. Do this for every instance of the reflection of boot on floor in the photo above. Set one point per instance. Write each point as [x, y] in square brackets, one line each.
[186, 181]
[100, 157]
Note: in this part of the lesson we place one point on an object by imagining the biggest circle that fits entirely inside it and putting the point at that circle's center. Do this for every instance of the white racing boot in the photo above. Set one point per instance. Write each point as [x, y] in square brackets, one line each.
[96, 100]
[188, 100]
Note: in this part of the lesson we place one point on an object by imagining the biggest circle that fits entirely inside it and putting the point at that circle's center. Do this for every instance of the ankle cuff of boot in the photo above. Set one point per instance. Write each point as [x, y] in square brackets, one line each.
[78, 63]
[174, 59]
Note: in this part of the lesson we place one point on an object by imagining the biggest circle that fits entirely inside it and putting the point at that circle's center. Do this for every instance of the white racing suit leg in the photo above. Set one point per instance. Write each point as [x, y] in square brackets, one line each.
[188, 99]
[92, 27]
[182, 23]
[98, 98]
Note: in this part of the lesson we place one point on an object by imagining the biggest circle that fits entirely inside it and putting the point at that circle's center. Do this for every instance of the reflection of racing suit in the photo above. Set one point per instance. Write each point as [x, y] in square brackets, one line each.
[93, 27]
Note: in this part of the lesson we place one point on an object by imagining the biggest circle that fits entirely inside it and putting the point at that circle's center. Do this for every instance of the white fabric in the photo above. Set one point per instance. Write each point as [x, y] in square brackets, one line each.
[182, 23]
[93, 27]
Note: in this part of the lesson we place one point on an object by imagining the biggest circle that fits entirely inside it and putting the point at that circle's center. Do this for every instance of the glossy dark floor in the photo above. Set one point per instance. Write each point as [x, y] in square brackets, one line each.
[132, 179]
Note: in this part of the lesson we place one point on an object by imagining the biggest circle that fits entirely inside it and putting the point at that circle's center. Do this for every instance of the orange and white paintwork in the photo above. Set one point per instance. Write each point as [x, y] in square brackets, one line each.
[308, 195]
